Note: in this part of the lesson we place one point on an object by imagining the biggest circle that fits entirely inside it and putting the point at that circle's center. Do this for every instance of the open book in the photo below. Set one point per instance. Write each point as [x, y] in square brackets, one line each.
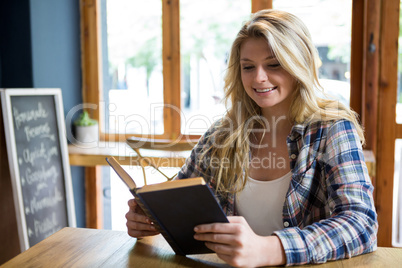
[176, 207]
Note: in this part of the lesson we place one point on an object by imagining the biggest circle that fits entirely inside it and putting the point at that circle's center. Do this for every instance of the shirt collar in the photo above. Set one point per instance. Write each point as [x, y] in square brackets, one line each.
[297, 130]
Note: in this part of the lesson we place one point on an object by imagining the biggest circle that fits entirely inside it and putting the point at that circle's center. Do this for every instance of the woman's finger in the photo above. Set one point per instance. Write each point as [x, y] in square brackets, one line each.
[224, 239]
[220, 248]
[224, 228]
[212, 228]
[132, 203]
[133, 216]
[139, 234]
[140, 226]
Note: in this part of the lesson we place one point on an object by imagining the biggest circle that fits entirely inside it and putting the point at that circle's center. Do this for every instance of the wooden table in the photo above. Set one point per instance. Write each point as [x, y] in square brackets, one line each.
[77, 247]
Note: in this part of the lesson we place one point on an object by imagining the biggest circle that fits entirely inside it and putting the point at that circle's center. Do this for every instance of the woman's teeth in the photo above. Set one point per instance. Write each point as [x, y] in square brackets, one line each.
[264, 89]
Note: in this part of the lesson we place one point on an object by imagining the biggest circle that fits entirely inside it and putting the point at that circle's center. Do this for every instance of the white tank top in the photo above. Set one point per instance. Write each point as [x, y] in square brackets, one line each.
[261, 203]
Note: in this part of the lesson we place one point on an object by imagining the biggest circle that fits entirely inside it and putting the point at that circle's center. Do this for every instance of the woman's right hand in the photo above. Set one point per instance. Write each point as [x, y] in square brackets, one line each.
[138, 225]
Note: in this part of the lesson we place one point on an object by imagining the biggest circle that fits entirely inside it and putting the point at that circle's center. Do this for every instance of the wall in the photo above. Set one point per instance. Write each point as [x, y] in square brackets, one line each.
[56, 62]
[40, 47]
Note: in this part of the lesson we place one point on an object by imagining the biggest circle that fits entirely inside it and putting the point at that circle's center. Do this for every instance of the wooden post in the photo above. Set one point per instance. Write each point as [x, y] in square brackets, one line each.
[356, 56]
[91, 55]
[171, 66]
[370, 72]
[386, 130]
[93, 197]
[91, 92]
[257, 5]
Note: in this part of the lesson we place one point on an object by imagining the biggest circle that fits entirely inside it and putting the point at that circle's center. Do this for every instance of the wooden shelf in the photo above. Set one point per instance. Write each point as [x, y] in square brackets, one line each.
[95, 156]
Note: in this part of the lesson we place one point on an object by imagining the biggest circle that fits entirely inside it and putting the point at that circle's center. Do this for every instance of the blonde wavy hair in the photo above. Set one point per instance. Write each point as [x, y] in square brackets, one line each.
[291, 43]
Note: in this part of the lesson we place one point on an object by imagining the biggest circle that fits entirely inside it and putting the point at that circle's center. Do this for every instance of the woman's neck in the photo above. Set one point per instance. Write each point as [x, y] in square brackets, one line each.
[275, 131]
[279, 124]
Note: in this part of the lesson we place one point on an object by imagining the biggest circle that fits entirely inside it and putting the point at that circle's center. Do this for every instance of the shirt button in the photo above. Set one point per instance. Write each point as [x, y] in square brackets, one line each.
[293, 156]
[286, 224]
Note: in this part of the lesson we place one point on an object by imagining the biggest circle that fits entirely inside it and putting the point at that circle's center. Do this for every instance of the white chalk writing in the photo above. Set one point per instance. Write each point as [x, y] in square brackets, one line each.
[46, 225]
[41, 175]
[31, 115]
[32, 132]
[39, 153]
[46, 202]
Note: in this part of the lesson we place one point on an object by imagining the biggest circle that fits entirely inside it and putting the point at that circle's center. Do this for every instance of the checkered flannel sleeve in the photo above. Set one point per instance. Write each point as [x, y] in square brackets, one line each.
[352, 226]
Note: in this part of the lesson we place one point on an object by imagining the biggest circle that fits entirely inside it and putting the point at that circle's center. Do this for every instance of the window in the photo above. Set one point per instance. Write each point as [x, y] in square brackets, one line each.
[152, 86]
[163, 61]
[330, 27]
[397, 194]
[133, 77]
[207, 30]
[159, 64]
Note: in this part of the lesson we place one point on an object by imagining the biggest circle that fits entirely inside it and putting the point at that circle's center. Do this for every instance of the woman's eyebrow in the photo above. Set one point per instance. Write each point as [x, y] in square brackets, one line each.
[267, 58]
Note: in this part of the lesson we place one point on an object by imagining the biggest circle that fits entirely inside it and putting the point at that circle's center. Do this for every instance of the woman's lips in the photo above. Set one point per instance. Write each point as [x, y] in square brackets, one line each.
[264, 90]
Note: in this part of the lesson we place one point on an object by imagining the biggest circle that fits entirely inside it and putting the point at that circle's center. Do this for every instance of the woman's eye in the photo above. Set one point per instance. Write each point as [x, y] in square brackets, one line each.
[248, 67]
[276, 65]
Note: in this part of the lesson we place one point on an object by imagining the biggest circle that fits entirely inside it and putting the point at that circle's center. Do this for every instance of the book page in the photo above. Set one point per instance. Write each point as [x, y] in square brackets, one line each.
[121, 172]
[172, 184]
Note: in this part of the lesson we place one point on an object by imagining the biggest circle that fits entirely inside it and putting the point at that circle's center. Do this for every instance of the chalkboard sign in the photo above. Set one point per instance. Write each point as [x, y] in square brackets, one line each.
[38, 158]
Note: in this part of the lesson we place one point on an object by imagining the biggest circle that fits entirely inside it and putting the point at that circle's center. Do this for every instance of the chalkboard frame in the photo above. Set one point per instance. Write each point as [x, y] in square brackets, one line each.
[6, 95]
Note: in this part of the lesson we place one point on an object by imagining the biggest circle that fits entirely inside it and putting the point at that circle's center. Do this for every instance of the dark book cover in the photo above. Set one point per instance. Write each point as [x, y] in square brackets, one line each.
[179, 210]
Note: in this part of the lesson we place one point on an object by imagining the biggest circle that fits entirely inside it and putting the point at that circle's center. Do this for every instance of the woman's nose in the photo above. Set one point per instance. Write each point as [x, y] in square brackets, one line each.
[261, 75]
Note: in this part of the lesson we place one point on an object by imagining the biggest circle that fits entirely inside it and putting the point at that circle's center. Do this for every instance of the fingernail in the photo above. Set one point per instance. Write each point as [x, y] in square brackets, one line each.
[196, 229]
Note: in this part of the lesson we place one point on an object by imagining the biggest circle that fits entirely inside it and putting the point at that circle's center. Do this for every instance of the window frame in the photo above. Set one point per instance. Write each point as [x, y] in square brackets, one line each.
[92, 68]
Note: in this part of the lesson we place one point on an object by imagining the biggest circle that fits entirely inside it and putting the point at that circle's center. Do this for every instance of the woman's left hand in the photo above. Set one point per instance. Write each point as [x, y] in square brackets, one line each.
[237, 244]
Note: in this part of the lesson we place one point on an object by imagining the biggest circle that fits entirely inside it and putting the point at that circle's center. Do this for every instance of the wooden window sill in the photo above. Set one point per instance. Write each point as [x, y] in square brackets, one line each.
[95, 156]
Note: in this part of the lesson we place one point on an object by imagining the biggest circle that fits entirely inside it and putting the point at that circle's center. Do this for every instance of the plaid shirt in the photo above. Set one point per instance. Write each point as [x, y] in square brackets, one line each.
[329, 211]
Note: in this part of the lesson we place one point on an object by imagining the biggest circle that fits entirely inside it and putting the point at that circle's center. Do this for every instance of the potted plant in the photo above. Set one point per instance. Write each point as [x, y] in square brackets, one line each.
[86, 130]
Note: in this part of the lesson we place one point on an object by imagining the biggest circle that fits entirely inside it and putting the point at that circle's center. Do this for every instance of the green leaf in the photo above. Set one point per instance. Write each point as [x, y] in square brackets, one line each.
[85, 120]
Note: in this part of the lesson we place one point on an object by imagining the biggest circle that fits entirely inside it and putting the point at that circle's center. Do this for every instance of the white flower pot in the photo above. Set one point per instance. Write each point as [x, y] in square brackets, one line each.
[87, 136]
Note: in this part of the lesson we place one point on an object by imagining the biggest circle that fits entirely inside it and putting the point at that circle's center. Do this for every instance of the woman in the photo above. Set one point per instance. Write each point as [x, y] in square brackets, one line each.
[291, 174]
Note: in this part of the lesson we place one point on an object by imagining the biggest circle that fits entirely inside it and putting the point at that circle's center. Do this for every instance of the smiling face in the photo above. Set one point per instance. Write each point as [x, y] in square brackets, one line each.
[263, 78]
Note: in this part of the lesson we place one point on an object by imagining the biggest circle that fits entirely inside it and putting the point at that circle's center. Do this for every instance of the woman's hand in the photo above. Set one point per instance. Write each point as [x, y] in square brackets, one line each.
[239, 246]
[138, 225]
